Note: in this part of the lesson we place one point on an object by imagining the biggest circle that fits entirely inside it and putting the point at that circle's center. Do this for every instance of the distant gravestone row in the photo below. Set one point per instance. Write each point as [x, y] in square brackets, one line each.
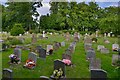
[94, 63]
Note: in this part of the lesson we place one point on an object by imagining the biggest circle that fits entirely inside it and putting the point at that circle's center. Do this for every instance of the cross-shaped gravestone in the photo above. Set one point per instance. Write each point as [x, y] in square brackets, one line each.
[7, 73]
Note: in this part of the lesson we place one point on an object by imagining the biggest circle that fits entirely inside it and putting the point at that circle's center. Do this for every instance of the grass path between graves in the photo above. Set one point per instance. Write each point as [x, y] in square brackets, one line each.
[45, 67]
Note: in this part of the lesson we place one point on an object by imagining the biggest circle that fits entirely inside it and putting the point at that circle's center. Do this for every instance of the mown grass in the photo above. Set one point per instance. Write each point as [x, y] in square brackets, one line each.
[45, 67]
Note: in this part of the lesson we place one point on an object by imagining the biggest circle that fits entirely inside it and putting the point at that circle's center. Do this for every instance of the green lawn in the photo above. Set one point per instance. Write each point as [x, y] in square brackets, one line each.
[45, 67]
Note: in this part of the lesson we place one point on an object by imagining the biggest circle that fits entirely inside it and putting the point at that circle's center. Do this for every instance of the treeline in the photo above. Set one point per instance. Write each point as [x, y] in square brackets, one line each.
[63, 16]
[81, 16]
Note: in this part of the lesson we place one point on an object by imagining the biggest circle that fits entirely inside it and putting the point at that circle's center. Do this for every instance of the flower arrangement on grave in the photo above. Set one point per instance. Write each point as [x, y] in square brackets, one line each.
[58, 73]
[66, 61]
[14, 58]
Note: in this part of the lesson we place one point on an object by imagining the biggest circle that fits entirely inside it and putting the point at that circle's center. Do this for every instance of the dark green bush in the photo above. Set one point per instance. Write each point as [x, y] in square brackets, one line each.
[17, 29]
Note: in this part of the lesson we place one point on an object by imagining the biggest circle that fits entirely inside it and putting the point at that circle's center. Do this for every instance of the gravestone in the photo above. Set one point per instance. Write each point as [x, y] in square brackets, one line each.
[115, 47]
[95, 63]
[105, 34]
[98, 74]
[43, 34]
[22, 40]
[67, 51]
[96, 33]
[66, 56]
[55, 46]
[44, 78]
[17, 51]
[7, 73]
[104, 50]
[87, 40]
[90, 55]
[62, 43]
[115, 59]
[38, 48]
[76, 36]
[72, 49]
[34, 38]
[99, 47]
[42, 53]
[59, 64]
[49, 47]
[107, 41]
[87, 46]
[108, 34]
[67, 36]
[4, 46]
[32, 56]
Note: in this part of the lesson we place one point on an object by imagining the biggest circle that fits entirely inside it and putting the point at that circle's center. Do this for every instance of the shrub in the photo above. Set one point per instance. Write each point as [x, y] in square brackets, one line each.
[17, 29]
[15, 41]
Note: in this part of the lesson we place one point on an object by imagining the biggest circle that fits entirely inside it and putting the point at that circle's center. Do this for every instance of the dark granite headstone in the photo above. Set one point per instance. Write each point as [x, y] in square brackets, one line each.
[59, 64]
[98, 74]
[7, 74]
[42, 53]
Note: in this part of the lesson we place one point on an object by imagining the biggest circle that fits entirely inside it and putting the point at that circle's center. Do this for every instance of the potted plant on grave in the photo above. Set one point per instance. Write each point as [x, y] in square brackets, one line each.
[57, 73]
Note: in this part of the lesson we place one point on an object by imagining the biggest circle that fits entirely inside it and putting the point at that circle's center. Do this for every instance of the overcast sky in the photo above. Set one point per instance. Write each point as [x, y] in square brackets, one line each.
[45, 8]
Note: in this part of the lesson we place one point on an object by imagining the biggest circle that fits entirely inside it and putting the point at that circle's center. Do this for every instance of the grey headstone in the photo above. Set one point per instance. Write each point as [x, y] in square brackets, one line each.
[59, 64]
[68, 51]
[34, 38]
[115, 46]
[115, 58]
[95, 63]
[7, 73]
[90, 54]
[66, 56]
[17, 51]
[32, 56]
[62, 43]
[104, 50]
[99, 47]
[98, 74]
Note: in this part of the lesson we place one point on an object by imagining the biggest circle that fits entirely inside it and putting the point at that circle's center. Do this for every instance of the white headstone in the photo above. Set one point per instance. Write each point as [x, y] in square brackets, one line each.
[108, 34]
[43, 33]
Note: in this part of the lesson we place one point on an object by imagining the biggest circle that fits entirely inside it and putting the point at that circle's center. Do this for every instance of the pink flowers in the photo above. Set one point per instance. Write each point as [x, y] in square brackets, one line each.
[66, 61]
